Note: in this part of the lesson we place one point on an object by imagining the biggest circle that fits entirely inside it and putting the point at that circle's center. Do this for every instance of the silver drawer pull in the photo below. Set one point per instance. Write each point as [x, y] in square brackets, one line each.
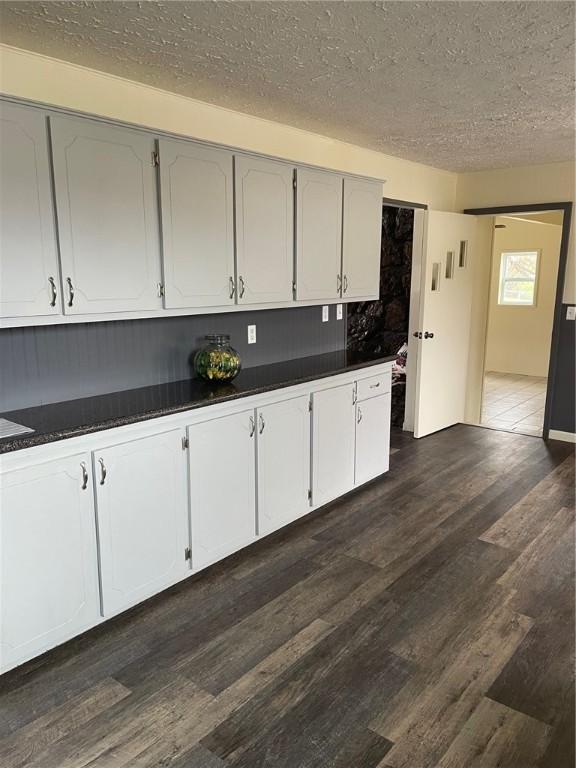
[252, 426]
[70, 292]
[359, 415]
[84, 476]
[232, 285]
[262, 424]
[345, 283]
[53, 293]
[338, 284]
[374, 386]
[242, 286]
[103, 472]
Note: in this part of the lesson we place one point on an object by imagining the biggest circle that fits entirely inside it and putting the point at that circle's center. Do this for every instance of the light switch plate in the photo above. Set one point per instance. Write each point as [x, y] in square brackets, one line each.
[571, 313]
[339, 312]
[251, 334]
[325, 313]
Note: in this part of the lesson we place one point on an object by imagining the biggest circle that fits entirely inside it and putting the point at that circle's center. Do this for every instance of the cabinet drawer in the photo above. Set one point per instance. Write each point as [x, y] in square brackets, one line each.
[373, 386]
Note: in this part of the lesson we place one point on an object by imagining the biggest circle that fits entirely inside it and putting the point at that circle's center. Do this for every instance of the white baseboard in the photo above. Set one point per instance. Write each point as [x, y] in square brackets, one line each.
[556, 434]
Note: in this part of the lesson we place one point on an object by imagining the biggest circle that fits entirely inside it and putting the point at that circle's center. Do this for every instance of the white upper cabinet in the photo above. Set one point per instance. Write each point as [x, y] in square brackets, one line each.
[196, 192]
[105, 186]
[361, 235]
[49, 570]
[264, 230]
[222, 470]
[29, 278]
[283, 462]
[142, 517]
[318, 235]
[333, 438]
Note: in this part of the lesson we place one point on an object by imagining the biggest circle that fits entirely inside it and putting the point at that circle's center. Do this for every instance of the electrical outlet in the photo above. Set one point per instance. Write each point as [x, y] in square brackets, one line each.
[251, 334]
[571, 313]
[325, 313]
[339, 312]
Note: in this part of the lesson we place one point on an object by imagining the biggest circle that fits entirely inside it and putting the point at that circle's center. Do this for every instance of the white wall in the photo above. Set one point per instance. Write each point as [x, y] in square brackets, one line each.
[518, 338]
[554, 182]
[38, 78]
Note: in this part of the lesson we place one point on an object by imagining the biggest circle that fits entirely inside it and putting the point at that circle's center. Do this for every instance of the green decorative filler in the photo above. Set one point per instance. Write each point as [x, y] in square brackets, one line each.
[217, 361]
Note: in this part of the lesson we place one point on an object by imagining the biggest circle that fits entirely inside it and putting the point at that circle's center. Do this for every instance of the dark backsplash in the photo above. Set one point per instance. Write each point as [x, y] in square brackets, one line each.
[48, 364]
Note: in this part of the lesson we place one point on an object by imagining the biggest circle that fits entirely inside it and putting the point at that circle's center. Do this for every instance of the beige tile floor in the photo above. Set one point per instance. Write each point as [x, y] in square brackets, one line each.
[513, 402]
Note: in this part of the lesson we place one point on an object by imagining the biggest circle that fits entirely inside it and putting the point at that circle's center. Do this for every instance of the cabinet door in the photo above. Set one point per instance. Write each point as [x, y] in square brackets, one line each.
[318, 235]
[49, 572]
[264, 230]
[361, 235]
[222, 486]
[142, 518]
[107, 217]
[29, 278]
[283, 451]
[372, 438]
[333, 431]
[197, 225]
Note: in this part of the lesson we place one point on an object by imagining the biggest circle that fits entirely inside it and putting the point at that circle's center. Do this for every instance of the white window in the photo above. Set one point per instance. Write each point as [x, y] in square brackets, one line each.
[518, 277]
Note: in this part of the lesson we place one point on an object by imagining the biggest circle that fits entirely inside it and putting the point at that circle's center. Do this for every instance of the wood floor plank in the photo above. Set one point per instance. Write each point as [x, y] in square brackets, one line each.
[494, 736]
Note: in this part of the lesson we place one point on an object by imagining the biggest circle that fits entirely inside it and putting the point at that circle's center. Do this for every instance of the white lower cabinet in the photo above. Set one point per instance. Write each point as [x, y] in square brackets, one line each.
[49, 571]
[283, 452]
[333, 436]
[142, 518]
[222, 469]
[372, 438]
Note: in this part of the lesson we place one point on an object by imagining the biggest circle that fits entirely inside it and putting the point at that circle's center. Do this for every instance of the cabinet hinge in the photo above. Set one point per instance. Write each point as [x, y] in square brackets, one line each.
[310, 405]
[294, 179]
[187, 554]
[161, 290]
[309, 495]
[185, 443]
[294, 287]
[155, 160]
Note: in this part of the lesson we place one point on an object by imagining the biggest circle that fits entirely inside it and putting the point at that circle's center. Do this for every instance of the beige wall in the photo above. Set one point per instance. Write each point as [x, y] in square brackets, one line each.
[518, 338]
[532, 184]
[30, 76]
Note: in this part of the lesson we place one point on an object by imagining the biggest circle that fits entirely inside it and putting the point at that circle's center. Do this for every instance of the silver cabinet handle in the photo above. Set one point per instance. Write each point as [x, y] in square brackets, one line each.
[338, 284]
[262, 424]
[242, 286]
[103, 472]
[232, 285]
[374, 386]
[53, 293]
[70, 292]
[359, 419]
[252, 426]
[84, 476]
[345, 283]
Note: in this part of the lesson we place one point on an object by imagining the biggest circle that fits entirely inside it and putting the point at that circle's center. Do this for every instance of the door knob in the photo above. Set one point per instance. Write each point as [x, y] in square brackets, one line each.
[428, 335]
[417, 334]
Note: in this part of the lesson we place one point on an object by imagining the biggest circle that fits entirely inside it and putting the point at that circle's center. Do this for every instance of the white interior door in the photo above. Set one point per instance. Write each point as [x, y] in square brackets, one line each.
[449, 252]
[264, 230]
[29, 275]
[197, 194]
[142, 518]
[283, 462]
[105, 187]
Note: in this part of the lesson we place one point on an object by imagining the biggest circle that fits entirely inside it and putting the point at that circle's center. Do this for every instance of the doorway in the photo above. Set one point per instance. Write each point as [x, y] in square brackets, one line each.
[381, 327]
[524, 275]
[523, 316]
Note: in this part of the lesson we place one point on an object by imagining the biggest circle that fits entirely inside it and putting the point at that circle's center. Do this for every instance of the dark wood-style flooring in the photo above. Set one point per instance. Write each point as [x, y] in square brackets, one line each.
[426, 621]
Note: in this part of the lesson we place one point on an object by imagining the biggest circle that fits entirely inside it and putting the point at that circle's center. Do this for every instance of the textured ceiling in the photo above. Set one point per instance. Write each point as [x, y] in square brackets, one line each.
[457, 85]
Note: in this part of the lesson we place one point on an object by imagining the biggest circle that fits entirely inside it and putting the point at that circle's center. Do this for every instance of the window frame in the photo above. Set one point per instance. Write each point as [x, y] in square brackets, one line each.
[502, 280]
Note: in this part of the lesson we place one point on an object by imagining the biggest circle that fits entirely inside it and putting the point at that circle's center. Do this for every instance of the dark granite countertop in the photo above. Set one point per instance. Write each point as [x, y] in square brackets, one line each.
[57, 421]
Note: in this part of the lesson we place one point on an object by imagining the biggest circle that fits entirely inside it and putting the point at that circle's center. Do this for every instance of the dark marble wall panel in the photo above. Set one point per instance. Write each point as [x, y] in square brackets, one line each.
[53, 363]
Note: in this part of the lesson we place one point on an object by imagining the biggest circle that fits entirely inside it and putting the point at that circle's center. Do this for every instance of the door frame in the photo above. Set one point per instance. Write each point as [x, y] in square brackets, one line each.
[566, 208]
